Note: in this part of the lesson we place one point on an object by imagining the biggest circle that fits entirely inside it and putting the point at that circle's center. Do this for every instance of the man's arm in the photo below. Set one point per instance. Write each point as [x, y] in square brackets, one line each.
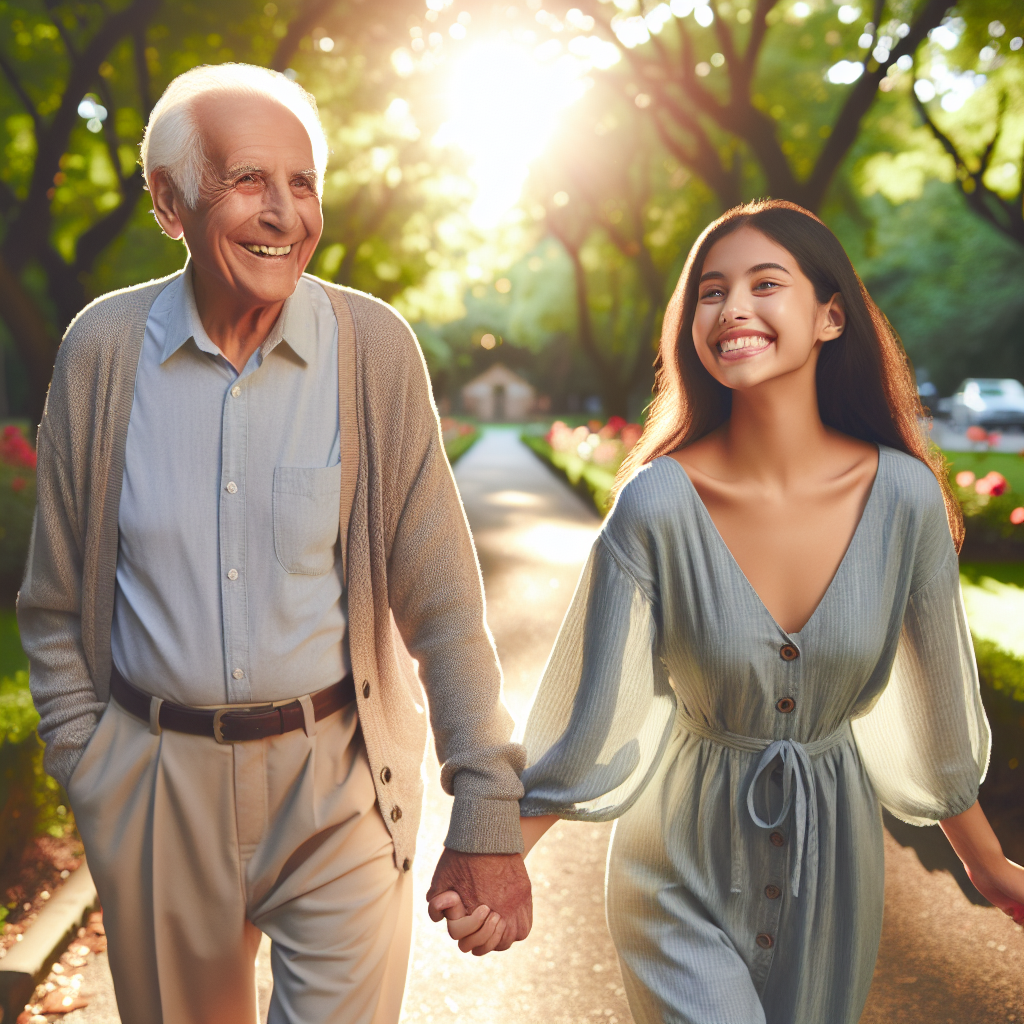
[436, 596]
[50, 612]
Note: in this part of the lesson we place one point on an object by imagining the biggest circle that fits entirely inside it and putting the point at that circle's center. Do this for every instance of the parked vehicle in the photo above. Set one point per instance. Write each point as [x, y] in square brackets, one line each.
[988, 402]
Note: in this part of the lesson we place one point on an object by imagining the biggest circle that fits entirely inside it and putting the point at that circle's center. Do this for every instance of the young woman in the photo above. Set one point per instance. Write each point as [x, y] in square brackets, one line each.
[766, 643]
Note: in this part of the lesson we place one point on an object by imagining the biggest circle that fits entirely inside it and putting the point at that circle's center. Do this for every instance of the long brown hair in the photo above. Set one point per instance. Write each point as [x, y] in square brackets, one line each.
[864, 382]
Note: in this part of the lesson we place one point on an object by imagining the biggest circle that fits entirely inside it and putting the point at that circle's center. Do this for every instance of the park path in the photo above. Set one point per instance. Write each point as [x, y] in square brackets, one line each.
[943, 959]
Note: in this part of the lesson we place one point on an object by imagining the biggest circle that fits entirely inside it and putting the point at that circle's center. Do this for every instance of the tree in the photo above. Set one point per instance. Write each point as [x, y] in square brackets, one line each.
[724, 90]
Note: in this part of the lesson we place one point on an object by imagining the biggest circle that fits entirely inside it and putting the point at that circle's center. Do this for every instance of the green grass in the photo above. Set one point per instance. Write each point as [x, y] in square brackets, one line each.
[1002, 572]
[980, 463]
[458, 446]
[12, 657]
[584, 477]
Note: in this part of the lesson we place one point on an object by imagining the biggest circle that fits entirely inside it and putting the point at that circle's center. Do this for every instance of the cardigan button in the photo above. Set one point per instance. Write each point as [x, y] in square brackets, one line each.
[366, 688]
[773, 892]
[385, 775]
[765, 941]
[776, 839]
[788, 652]
[396, 813]
[785, 705]
[406, 864]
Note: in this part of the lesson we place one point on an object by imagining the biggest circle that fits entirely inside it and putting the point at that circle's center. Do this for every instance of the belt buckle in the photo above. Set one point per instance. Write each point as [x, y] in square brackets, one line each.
[218, 726]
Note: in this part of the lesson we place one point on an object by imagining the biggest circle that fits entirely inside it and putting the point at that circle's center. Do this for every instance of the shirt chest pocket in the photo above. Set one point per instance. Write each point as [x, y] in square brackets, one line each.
[306, 518]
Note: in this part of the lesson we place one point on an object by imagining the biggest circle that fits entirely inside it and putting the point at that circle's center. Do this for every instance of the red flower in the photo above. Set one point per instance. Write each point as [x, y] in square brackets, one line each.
[992, 483]
[18, 484]
[977, 434]
[15, 449]
[1017, 515]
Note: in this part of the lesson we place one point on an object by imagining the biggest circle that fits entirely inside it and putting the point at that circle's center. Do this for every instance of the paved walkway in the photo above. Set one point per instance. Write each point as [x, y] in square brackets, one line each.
[944, 960]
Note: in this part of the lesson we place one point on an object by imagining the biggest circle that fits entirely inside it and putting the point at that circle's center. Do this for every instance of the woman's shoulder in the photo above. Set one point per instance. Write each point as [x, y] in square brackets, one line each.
[909, 482]
[652, 495]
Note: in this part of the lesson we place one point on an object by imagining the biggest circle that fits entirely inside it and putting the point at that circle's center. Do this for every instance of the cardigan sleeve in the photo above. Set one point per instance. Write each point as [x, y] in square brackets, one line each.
[603, 714]
[925, 742]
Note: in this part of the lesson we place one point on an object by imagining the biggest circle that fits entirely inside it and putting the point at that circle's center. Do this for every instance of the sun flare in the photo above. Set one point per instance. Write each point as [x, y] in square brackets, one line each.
[504, 103]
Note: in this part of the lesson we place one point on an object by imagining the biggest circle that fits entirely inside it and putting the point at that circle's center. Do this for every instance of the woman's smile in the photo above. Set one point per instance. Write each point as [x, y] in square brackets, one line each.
[733, 346]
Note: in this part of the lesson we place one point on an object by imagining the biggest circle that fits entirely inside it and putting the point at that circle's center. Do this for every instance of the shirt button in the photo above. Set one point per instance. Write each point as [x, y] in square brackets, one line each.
[238, 674]
[396, 813]
[765, 941]
[776, 839]
[236, 391]
[232, 574]
[232, 487]
[788, 652]
[406, 864]
[773, 892]
[785, 705]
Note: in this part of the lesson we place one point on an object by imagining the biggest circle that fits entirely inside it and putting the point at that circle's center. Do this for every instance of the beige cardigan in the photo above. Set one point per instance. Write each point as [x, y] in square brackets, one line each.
[407, 552]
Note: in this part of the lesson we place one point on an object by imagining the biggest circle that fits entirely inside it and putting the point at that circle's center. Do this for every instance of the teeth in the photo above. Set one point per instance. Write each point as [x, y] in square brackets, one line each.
[743, 342]
[270, 250]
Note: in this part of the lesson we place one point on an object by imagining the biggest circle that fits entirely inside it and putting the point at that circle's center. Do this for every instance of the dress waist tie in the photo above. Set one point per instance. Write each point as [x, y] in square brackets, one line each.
[798, 791]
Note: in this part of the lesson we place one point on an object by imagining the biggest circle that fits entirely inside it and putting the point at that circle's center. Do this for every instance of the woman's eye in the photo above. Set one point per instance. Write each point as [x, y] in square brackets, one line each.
[766, 285]
[712, 293]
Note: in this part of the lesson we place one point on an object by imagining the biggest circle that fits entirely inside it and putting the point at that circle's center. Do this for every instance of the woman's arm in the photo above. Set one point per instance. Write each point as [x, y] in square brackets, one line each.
[534, 828]
[997, 878]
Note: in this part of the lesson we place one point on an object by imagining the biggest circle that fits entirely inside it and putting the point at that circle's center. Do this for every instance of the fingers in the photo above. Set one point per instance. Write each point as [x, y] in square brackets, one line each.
[446, 904]
[495, 940]
[469, 924]
[485, 931]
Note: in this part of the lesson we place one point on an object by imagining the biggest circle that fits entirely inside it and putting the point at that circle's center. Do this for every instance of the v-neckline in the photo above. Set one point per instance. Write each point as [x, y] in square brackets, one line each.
[736, 565]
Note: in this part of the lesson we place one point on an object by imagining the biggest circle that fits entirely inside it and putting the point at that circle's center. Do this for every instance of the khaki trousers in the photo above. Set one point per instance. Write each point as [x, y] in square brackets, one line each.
[198, 847]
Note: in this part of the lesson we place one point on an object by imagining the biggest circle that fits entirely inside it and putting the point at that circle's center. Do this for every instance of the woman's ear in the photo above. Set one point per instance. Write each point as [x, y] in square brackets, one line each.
[833, 315]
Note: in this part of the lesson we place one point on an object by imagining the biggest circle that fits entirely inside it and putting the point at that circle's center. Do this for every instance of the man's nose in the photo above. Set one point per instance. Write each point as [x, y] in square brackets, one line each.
[279, 210]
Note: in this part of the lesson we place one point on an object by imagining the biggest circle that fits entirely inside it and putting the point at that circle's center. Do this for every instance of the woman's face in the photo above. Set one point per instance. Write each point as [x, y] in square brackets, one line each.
[757, 315]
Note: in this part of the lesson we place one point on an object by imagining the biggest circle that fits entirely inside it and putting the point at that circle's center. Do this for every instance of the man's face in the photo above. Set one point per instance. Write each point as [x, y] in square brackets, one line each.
[260, 195]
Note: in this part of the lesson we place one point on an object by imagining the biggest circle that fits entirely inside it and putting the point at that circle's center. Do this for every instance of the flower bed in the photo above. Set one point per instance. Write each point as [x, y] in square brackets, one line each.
[458, 437]
[990, 489]
[589, 456]
[17, 504]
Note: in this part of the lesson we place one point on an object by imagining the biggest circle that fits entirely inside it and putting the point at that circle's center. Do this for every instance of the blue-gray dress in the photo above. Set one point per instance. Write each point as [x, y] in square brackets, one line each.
[746, 764]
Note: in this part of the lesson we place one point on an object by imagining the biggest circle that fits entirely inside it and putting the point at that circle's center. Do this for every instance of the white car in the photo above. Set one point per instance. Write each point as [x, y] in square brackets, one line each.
[988, 402]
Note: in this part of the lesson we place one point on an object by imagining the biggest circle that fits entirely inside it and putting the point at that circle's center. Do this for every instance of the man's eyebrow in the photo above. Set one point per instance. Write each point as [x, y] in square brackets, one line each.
[233, 172]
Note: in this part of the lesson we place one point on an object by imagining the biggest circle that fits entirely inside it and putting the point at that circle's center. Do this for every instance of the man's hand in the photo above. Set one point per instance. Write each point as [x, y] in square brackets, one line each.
[496, 881]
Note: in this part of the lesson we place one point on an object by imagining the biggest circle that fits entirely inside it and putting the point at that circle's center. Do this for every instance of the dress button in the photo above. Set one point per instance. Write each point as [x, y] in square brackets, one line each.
[238, 673]
[396, 813]
[385, 775]
[788, 652]
[236, 391]
[773, 892]
[232, 487]
[232, 574]
[776, 839]
[366, 688]
[785, 705]
[406, 864]
[765, 941]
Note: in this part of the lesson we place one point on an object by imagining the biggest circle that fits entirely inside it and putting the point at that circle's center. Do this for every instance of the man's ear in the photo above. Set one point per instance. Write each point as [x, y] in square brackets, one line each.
[834, 313]
[166, 203]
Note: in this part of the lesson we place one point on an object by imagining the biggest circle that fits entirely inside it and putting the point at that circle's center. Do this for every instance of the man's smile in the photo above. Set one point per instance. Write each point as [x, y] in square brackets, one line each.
[266, 250]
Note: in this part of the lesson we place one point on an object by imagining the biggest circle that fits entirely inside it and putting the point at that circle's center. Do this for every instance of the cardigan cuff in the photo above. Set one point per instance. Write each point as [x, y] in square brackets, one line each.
[484, 826]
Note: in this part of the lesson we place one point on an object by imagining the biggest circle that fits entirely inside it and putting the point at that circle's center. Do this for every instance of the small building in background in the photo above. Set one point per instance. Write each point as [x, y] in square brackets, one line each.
[498, 395]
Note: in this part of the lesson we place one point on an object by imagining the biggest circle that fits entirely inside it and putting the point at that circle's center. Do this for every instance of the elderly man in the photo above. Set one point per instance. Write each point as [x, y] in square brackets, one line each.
[246, 524]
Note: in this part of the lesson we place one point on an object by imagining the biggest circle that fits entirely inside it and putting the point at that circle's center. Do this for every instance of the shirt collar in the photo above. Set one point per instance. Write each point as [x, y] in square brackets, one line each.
[294, 326]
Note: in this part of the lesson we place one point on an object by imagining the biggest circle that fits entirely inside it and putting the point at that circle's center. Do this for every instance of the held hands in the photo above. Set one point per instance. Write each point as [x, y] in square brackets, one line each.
[486, 899]
[1002, 886]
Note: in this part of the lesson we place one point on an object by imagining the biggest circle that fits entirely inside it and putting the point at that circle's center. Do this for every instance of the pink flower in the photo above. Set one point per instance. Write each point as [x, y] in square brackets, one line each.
[992, 483]
[977, 434]
[630, 434]
[964, 478]
[1017, 515]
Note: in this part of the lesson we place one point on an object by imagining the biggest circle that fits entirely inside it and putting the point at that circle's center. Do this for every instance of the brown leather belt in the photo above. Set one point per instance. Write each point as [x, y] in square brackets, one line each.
[227, 725]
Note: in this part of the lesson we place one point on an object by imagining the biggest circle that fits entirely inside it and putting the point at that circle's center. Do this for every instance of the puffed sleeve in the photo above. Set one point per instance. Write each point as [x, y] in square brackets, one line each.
[925, 743]
[603, 712]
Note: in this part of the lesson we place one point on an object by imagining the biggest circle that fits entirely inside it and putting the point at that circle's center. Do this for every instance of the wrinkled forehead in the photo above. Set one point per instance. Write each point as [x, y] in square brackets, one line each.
[256, 131]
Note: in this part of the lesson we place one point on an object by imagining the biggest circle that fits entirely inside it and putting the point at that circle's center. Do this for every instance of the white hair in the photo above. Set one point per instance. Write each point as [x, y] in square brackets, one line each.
[174, 142]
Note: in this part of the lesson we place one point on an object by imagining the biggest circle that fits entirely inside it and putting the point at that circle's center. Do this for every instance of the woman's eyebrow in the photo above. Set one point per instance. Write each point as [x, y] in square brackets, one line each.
[768, 266]
[711, 274]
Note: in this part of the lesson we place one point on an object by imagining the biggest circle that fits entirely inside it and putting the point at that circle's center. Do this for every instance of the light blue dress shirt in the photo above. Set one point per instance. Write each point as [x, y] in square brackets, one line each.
[229, 586]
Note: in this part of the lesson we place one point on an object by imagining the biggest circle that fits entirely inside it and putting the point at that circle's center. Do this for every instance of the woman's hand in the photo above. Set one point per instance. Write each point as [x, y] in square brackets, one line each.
[997, 878]
[479, 932]
[1003, 886]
